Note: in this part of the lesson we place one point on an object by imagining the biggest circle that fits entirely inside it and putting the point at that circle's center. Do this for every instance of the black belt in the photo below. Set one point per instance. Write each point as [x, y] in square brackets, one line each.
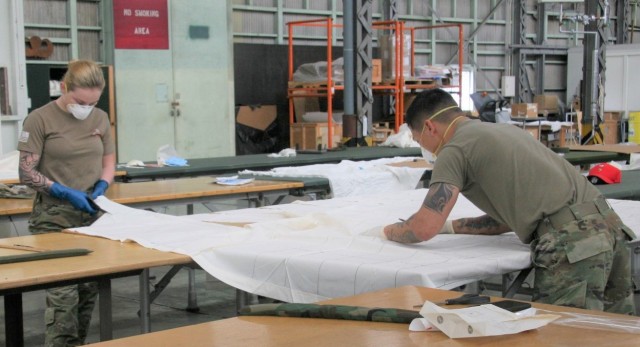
[570, 213]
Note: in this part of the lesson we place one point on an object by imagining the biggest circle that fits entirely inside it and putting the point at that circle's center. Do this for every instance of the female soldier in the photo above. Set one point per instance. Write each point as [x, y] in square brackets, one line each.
[68, 157]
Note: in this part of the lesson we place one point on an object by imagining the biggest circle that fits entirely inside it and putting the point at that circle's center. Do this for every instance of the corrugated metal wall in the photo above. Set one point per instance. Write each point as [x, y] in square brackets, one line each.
[264, 21]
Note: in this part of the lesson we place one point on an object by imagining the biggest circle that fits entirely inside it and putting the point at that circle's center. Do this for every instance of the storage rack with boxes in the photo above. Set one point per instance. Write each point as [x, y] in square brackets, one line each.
[394, 80]
[312, 135]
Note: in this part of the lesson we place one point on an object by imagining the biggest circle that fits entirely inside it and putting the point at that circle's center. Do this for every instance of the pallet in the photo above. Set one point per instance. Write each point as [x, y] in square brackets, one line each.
[321, 84]
[409, 81]
[420, 81]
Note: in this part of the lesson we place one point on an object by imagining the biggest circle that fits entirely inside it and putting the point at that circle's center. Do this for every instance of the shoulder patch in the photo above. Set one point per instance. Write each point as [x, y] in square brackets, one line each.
[24, 137]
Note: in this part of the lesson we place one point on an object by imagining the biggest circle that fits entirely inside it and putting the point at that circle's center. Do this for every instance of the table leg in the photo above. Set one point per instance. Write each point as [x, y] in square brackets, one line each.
[260, 200]
[509, 291]
[145, 311]
[244, 299]
[563, 137]
[106, 317]
[192, 298]
[539, 130]
[13, 320]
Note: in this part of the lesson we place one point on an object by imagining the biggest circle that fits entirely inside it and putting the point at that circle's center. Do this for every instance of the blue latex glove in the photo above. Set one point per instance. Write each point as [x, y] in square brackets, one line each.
[78, 199]
[99, 188]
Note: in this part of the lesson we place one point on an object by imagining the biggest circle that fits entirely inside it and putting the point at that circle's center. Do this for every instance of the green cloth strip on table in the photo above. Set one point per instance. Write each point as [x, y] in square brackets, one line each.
[357, 313]
[62, 253]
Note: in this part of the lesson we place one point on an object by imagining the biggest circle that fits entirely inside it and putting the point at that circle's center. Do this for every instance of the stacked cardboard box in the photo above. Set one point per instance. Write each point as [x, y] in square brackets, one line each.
[524, 110]
[314, 136]
[376, 71]
[547, 103]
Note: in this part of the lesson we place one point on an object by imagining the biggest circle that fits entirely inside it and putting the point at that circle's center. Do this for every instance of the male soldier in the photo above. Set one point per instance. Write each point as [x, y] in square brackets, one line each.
[578, 243]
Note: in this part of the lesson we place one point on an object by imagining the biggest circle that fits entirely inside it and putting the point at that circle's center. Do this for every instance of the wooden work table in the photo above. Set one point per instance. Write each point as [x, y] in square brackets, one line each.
[108, 259]
[175, 189]
[188, 189]
[282, 331]
[118, 173]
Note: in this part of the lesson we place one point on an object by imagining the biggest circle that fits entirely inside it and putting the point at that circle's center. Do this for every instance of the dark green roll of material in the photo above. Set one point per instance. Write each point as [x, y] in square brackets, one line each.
[357, 313]
[62, 253]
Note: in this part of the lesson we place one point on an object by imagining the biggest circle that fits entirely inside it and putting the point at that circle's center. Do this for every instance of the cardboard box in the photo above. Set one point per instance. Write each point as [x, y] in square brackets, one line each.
[258, 117]
[380, 132]
[613, 116]
[524, 110]
[376, 71]
[547, 102]
[610, 129]
[314, 136]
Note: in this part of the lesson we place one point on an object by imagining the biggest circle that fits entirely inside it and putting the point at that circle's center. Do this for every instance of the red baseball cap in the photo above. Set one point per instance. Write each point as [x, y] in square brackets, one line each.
[604, 173]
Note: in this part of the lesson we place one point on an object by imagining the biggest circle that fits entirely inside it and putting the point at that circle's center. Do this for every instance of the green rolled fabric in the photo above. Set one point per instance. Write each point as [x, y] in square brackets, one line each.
[387, 315]
[62, 253]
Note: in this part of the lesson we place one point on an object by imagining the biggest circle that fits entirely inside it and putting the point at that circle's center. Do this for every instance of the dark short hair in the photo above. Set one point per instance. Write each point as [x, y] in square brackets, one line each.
[427, 103]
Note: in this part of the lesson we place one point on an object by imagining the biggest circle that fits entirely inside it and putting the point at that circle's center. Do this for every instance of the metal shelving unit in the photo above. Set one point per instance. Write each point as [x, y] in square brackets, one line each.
[328, 87]
[395, 86]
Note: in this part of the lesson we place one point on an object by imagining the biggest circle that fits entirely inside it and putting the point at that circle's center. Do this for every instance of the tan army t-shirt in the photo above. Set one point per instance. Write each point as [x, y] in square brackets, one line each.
[509, 175]
[70, 150]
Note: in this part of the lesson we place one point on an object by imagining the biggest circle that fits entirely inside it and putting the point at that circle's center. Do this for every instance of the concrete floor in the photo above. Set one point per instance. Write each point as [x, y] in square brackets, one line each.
[216, 300]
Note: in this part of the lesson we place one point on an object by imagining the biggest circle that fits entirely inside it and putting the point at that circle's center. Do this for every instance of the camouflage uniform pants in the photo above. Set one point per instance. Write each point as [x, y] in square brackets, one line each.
[68, 313]
[585, 264]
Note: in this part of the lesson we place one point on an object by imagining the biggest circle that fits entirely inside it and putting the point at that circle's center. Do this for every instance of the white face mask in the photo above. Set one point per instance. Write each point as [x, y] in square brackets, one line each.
[428, 156]
[81, 112]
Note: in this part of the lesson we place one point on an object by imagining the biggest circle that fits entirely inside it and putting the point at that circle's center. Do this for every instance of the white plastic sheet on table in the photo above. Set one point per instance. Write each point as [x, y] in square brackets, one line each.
[311, 251]
[353, 178]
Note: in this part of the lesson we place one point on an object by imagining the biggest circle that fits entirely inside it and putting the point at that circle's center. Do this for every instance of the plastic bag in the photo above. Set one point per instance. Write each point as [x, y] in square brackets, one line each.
[168, 156]
[317, 72]
[402, 139]
[589, 321]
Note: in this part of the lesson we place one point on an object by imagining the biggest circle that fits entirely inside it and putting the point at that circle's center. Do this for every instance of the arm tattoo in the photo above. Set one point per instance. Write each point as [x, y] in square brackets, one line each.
[28, 173]
[438, 197]
[480, 225]
[402, 233]
[403, 236]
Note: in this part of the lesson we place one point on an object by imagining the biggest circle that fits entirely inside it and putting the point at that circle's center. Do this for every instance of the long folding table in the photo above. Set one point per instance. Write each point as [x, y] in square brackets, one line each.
[233, 164]
[292, 331]
[627, 189]
[107, 260]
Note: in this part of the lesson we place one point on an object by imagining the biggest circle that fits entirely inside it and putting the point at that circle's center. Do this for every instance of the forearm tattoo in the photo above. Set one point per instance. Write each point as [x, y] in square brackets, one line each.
[402, 232]
[480, 225]
[28, 173]
[438, 197]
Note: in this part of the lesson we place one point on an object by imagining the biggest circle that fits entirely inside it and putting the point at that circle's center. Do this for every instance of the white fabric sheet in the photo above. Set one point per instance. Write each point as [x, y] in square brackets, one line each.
[555, 125]
[310, 251]
[353, 178]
